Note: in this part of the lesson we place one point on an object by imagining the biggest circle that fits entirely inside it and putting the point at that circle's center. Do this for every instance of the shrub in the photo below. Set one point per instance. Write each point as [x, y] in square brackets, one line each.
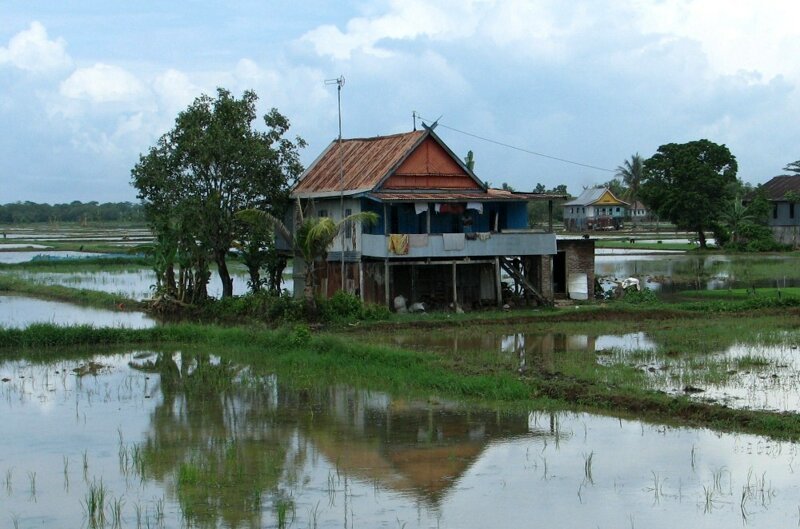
[632, 295]
[341, 306]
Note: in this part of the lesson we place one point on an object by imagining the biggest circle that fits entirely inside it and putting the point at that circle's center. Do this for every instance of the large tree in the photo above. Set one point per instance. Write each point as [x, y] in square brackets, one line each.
[213, 163]
[691, 184]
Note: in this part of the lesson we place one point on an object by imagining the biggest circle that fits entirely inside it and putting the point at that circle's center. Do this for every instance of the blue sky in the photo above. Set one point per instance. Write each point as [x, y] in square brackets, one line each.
[88, 86]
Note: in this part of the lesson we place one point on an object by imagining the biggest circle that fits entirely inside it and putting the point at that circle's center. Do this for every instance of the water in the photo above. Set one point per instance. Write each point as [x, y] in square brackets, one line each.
[23, 257]
[675, 272]
[20, 311]
[771, 382]
[168, 456]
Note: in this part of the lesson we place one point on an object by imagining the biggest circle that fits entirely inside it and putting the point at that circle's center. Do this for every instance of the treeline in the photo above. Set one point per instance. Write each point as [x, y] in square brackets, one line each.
[31, 212]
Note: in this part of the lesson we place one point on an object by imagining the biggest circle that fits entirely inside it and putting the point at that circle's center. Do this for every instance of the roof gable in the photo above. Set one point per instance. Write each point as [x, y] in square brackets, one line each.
[430, 166]
[407, 161]
[596, 196]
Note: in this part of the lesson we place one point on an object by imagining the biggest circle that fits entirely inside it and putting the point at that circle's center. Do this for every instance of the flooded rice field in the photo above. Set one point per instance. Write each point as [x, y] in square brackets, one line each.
[14, 257]
[673, 272]
[143, 441]
[20, 312]
[746, 374]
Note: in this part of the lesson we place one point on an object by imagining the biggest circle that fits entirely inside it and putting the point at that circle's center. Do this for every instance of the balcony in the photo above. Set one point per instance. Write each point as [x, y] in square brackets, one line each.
[497, 244]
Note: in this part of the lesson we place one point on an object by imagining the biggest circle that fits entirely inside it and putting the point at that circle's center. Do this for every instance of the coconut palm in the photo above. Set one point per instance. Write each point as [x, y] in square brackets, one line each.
[311, 240]
[631, 173]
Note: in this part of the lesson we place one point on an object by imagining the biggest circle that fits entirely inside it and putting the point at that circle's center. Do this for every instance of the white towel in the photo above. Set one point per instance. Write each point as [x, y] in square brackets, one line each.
[420, 207]
[453, 241]
[477, 206]
[418, 240]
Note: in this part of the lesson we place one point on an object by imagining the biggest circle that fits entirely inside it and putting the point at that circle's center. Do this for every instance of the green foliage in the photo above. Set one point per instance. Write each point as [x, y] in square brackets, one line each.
[341, 306]
[539, 210]
[690, 184]
[631, 173]
[640, 297]
[301, 334]
[212, 164]
[76, 211]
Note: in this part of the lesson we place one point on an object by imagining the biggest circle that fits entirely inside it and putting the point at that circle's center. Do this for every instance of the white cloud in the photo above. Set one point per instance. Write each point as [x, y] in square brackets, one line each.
[32, 51]
[175, 91]
[735, 35]
[102, 83]
[405, 20]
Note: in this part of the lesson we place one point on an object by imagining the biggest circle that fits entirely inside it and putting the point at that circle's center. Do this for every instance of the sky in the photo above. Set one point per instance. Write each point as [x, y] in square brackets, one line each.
[87, 86]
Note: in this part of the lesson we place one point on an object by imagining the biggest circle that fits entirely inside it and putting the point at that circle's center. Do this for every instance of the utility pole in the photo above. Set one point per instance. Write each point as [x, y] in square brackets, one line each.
[339, 82]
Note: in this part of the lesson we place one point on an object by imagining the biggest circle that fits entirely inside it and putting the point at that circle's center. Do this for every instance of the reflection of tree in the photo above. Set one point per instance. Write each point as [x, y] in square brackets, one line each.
[213, 442]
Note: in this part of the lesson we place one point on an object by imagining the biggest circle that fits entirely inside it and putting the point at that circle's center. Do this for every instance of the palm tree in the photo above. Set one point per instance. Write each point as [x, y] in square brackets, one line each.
[311, 239]
[631, 173]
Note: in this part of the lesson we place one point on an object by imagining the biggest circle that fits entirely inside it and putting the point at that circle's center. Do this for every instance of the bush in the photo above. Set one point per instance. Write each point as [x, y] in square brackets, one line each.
[632, 295]
[341, 306]
[376, 312]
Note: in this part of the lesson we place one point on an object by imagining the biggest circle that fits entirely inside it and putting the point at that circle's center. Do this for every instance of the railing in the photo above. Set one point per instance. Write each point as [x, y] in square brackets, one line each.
[495, 244]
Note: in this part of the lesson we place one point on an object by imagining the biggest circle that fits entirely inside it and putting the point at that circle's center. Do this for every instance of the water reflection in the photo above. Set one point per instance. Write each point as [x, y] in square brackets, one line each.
[675, 272]
[20, 312]
[250, 452]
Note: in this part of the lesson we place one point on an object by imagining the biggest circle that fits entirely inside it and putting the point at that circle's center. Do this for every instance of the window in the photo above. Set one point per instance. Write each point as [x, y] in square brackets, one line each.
[617, 210]
[791, 210]
[348, 226]
[322, 213]
[775, 211]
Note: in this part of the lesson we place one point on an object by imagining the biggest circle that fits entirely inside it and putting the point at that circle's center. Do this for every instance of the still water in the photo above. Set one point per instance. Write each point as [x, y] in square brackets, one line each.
[755, 375]
[21, 311]
[168, 452]
[671, 272]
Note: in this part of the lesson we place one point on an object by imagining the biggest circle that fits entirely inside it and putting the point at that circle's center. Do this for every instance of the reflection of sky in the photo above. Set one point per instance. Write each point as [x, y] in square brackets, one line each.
[133, 284]
[22, 257]
[513, 480]
[19, 312]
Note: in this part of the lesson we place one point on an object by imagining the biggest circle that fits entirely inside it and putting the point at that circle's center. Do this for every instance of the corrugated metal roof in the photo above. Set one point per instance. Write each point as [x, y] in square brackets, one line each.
[364, 163]
[590, 196]
[777, 187]
[491, 195]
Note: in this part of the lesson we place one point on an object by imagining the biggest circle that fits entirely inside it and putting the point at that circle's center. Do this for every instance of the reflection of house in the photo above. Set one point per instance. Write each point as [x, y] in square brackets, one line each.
[410, 446]
[785, 217]
[442, 236]
[596, 208]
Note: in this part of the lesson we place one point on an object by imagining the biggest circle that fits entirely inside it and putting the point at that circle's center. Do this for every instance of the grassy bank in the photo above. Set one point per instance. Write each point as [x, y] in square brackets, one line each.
[90, 298]
[571, 380]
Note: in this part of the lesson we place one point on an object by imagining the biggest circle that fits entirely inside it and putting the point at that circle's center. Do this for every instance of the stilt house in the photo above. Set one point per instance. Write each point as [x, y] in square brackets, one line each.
[442, 237]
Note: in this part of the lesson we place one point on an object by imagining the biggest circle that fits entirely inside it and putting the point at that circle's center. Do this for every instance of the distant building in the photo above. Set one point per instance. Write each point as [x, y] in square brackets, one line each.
[595, 209]
[638, 212]
[785, 217]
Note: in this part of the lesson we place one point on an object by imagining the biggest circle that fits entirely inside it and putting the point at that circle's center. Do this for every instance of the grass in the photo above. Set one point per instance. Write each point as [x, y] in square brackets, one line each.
[86, 297]
[572, 379]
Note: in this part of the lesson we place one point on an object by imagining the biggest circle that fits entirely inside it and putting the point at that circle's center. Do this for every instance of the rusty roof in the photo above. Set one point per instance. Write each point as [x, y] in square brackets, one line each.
[365, 162]
[490, 195]
[776, 188]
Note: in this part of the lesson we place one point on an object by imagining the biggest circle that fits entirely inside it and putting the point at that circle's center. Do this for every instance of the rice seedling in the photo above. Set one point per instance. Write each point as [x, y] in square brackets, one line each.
[284, 507]
[15, 520]
[95, 504]
[9, 473]
[587, 467]
[116, 506]
[32, 483]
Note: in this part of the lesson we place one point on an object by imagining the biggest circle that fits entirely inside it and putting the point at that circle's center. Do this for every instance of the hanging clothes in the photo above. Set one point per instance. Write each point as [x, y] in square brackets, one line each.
[452, 208]
[477, 206]
[398, 243]
[453, 241]
[418, 240]
[420, 207]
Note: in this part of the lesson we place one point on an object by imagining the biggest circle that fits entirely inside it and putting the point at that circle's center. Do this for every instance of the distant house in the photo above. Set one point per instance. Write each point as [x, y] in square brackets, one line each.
[443, 236]
[638, 212]
[785, 217]
[595, 209]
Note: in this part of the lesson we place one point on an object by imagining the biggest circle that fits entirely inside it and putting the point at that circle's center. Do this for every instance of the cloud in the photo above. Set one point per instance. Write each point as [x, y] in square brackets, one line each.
[102, 83]
[405, 20]
[32, 51]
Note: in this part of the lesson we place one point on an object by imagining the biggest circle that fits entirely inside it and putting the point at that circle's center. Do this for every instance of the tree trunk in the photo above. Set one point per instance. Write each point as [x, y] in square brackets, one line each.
[224, 274]
[701, 237]
[308, 290]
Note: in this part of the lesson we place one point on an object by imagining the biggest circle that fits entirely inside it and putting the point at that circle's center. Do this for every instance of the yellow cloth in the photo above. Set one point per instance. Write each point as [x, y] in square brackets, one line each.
[398, 243]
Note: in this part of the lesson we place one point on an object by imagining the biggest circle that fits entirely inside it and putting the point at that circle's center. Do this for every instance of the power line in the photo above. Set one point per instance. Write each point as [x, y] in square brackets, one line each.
[521, 149]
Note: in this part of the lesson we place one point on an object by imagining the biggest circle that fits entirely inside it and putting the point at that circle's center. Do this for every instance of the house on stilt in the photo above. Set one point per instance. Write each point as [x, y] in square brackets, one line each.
[443, 236]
